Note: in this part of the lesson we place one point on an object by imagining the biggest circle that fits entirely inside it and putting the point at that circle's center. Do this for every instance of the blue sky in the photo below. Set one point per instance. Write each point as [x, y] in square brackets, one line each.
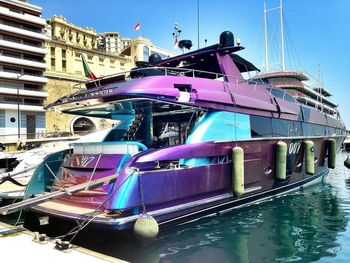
[319, 30]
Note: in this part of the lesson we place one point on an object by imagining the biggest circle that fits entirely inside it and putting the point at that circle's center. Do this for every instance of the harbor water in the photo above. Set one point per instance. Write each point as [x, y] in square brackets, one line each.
[309, 225]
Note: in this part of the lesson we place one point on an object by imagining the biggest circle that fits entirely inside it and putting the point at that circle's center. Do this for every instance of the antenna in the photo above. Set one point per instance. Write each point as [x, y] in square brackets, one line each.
[176, 34]
[282, 35]
[266, 46]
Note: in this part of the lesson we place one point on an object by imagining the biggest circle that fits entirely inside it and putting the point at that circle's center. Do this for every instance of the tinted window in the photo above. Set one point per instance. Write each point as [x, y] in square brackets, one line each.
[297, 131]
[330, 131]
[281, 127]
[277, 93]
[307, 129]
[319, 130]
[289, 98]
[260, 126]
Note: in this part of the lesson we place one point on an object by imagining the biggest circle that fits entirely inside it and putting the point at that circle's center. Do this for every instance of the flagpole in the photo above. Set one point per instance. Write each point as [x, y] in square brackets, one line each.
[139, 30]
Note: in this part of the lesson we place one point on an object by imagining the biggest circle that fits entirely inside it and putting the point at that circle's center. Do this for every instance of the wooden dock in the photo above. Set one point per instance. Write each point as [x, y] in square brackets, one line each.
[20, 247]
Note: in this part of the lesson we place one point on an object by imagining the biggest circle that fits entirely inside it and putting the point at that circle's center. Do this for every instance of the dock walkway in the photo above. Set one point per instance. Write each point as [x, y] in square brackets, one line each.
[20, 247]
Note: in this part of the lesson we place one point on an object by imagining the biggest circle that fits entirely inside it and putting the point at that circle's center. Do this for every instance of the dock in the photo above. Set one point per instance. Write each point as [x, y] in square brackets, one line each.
[20, 247]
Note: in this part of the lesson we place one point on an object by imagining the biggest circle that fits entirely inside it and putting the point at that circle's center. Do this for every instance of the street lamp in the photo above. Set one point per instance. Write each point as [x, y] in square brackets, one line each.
[18, 111]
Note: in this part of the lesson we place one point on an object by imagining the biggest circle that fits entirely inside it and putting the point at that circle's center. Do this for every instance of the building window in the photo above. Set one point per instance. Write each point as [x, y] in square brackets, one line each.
[145, 53]
[52, 51]
[64, 65]
[53, 63]
[40, 120]
[2, 119]
[64, 53]
[12, 70]
[32, 72]
[11, 54]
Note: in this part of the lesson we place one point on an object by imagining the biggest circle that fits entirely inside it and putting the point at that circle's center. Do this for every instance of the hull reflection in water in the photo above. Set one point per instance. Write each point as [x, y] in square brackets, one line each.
[304, 226]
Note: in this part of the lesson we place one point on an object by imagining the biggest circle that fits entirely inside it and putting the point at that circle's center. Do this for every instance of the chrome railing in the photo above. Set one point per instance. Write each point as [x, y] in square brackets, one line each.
[7, 138]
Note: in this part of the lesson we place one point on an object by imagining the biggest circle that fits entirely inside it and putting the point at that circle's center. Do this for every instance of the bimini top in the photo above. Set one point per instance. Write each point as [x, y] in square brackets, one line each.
[205, 59]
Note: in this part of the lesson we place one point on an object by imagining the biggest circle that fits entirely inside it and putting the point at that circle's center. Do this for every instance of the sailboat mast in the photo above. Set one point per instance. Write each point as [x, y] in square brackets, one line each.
[198, 22]
[266, 47]
[282, 36]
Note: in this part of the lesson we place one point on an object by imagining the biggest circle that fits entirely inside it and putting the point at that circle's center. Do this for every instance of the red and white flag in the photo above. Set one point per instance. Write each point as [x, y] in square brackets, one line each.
[176, 43]
[137, 26]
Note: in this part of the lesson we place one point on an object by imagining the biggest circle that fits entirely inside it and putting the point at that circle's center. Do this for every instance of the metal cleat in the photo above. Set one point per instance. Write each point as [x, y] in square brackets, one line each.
[39, 238]
[63, 246]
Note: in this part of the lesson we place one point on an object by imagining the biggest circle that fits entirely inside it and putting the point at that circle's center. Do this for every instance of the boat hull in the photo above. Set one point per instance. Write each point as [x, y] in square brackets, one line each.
[172, 216]
[187, 205]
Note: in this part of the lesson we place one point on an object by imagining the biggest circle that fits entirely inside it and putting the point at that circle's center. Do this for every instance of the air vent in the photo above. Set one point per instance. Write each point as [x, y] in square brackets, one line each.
[183, 87]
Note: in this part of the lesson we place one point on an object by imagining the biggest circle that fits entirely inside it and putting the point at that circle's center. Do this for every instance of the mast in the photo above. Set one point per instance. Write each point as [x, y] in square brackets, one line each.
[282, 36]
[266, 47]
[198, 22]
[319, 83]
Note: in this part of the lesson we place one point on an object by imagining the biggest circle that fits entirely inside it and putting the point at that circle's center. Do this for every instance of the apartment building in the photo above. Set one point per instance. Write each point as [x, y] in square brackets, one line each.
[22, 52]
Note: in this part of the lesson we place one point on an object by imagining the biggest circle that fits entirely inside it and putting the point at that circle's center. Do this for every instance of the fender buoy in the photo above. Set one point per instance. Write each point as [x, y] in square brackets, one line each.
[309, 157]
[238, 171]
[281, 161]
[146, 229]
[332, 153]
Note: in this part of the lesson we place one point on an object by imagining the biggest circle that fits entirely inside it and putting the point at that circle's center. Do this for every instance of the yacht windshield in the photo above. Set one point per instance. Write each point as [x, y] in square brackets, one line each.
[150, 122]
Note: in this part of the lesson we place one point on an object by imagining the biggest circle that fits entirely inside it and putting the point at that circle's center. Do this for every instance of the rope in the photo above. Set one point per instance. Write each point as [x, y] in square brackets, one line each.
[141, 193]
[93, 172]
[56, 179]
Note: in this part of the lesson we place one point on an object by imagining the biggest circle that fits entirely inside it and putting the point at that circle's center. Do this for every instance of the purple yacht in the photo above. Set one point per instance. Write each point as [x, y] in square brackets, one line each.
[194, 138]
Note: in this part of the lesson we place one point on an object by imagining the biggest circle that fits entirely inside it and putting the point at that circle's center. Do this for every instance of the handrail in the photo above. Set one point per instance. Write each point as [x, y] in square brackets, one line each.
[140, 145]
[179, 71]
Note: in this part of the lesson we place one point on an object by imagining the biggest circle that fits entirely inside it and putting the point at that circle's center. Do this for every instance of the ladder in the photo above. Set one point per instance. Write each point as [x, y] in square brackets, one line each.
[130, 134]
[43, 197]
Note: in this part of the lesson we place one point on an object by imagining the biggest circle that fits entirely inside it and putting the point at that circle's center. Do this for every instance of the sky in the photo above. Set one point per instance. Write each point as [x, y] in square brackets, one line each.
[317, 32]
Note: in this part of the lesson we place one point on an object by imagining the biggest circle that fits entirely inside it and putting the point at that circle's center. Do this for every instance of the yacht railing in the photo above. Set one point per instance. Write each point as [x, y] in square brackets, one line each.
[184, 72]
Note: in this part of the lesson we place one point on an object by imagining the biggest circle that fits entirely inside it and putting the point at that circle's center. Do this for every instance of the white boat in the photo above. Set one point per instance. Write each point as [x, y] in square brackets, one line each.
[13, 183]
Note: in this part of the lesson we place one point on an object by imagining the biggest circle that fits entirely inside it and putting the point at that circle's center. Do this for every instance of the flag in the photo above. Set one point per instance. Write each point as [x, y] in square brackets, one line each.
[88, 72]
[176, 43]
[137, 26]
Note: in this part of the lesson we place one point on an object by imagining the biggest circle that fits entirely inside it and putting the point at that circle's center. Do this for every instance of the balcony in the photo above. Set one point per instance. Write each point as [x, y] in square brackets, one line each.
[24, 17]
[23, 62]
[22, 47]
[23, 92]
[23, 32]
[27, 78]
[13, 106]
